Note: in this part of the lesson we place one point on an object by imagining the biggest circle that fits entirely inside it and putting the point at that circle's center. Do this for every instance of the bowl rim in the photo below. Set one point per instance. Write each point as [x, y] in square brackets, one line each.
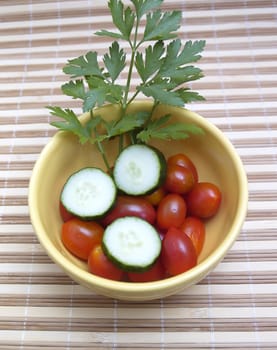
[175, 282]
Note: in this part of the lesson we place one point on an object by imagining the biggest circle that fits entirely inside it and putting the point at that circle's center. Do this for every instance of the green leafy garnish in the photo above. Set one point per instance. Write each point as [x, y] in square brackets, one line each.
[163, 68]
[115, 55]
[71, 123]
[160, 26]
[128, 123]
[160, 128]
[83, 65]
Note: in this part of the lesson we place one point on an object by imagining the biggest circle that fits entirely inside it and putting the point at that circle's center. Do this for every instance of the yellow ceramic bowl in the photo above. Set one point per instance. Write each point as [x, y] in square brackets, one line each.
[216, 161]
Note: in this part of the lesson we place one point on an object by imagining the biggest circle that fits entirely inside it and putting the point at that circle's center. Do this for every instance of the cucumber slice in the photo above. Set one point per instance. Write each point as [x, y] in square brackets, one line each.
[131, 243]
[89, 193]
[139, 170]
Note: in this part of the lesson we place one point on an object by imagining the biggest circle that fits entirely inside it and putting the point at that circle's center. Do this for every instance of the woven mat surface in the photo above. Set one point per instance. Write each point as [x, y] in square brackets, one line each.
[235, 306]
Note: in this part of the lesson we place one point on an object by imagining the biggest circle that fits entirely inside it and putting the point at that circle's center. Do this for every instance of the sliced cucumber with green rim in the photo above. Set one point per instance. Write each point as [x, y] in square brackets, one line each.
[131, 243]
[89, 193]
[139, 169]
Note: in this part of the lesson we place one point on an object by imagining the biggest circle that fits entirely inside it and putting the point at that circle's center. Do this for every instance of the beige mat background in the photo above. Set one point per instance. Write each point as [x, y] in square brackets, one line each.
[235, 307]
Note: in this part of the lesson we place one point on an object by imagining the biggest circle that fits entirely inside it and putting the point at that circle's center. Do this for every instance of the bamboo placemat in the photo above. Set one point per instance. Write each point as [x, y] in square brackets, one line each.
[235, 307]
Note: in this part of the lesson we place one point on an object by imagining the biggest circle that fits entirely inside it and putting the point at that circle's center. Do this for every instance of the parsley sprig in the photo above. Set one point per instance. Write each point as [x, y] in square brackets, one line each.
[162, 62]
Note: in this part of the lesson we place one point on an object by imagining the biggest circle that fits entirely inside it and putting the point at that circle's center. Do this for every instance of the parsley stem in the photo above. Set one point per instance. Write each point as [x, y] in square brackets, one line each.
[134, 48]
[120, 144]
[132, 138]
[155, 104]
[102, 150]
[133, 97]
[127, 89]
[125, 101]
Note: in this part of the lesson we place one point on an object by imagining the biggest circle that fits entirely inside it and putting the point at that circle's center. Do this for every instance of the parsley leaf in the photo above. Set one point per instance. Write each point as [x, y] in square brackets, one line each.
[123, 19]
[185, 74]
[83, 65]
[164, 71]
[73, 124]
[191, 50]
[189, 96]
[161, 129]
[115, 61]
[104, 92]
[108, 33]
[126, 124]
[95, 97]
[144, 6]
[160, 93]
[75, 89]
[160, 26]
[177, 57]
[152, 62]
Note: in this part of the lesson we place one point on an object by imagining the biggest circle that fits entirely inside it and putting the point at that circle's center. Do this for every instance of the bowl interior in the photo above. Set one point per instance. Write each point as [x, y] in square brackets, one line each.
[215, 160]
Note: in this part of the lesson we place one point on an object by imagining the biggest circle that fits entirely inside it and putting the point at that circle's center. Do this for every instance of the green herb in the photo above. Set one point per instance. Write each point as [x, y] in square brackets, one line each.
[160, 128]
[164, 69]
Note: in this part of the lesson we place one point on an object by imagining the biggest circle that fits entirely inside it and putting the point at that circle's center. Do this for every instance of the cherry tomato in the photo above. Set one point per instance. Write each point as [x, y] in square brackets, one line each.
[184, 161]
[155, 197]
[65, 214]
[79, 237]
[195, 229]
[171, 211]
[100, 265]
[178, 252]
[203, 200]
[155, 273]
[179, 179]
[131, 206]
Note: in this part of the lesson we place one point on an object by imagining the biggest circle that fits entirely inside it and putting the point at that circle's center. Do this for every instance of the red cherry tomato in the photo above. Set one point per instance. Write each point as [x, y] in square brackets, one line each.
[195, 229]
[79, 237]
[178, 252]
[184, 161]
[171, 211]
[100, 265]
[179, 179]
[65, 214]
[203, 200]
[155, 273]
[155, 197]
[131, 206]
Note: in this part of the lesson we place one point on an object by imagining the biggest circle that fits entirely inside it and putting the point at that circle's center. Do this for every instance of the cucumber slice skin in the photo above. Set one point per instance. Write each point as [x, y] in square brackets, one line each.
[118, 173]
[120, 261]
[95, 213]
